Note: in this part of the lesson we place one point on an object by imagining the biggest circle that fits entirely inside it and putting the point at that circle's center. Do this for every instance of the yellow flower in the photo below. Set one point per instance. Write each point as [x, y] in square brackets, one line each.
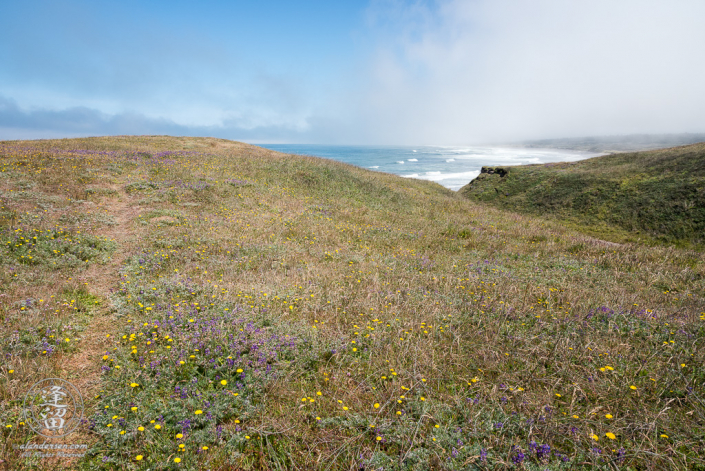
[376, 405]
[632, 387]
[11, 371]
[379, 438]
[594, 437]
[178, 435]
[177, 460]
[157, 427]
[198, 412]
[558, 395]
[422, 398]
[138, 457]
[140, 428]
[133, 408]
[223, 382]
[239, 370]
[575, 417]
[609, 416]
[663, 435]
[610, 435]
[204, 448]
[134, 385]
[437, 426]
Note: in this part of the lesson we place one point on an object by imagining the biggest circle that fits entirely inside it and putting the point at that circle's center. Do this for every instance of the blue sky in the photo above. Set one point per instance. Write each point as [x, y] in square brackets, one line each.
[354, 72]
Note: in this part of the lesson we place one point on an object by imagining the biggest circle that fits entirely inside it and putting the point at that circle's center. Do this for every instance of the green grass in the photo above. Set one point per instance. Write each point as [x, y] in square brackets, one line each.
[650, 196]
[231, 307]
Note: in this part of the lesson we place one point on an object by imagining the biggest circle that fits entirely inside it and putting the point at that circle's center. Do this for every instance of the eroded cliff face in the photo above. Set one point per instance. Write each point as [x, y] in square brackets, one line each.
[501, 171]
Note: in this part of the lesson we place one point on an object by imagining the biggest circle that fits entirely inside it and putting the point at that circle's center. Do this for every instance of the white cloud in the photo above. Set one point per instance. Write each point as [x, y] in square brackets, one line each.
[509, 69]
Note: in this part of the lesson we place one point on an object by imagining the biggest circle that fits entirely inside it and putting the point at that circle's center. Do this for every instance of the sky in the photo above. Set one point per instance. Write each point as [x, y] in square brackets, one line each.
[443, 72]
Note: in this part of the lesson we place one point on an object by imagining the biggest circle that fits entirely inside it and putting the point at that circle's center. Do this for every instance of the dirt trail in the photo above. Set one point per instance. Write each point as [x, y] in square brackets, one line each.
[83, 368]
[85, 365]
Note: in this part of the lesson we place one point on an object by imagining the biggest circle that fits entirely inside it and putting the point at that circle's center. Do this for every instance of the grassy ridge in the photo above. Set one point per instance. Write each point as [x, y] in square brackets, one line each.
[222, 306]
[656, 194]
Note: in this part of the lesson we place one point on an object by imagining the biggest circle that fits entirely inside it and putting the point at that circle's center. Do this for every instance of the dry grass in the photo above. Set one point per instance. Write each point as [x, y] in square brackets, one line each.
[505, 334]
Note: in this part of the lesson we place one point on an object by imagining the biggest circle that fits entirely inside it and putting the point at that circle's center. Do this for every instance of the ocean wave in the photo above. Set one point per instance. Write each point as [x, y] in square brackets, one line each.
[439, 176]
[400, 161]
[450, 160]
[413, 160]
[375, 166]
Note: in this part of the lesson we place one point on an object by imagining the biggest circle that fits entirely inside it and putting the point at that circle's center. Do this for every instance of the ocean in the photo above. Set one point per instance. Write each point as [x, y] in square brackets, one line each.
[450, 166]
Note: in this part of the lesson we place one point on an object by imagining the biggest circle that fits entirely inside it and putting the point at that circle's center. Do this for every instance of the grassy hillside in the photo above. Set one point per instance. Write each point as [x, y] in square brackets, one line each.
[657, 194]
[222, 306]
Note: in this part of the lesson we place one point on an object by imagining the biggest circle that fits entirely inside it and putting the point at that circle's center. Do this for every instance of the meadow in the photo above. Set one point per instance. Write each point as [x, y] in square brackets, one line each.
[223, 306]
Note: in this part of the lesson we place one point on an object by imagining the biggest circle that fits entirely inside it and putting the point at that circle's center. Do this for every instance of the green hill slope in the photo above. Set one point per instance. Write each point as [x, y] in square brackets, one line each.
[223, 306]
[656, 194]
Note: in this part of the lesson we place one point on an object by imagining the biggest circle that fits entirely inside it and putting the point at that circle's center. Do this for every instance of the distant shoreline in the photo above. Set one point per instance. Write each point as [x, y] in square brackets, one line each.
[613, 144]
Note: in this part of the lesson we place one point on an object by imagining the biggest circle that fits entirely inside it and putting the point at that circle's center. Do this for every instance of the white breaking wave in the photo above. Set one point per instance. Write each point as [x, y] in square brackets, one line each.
[413, 150]
[438, 176]
[400, 161]
[375, 166]
[413, 160]
[450, 160]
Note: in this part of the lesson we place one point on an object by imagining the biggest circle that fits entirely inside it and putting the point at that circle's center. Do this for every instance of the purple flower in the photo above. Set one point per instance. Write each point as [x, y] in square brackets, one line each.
[543, 451]
[518, 458]
[620, 454]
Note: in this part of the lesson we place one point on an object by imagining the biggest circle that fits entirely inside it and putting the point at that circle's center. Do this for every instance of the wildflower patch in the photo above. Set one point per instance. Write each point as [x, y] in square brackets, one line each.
[187, 372]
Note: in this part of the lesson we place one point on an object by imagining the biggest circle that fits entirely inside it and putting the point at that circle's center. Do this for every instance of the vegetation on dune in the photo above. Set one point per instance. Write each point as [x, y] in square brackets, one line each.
[222, 306]
[649, 196]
